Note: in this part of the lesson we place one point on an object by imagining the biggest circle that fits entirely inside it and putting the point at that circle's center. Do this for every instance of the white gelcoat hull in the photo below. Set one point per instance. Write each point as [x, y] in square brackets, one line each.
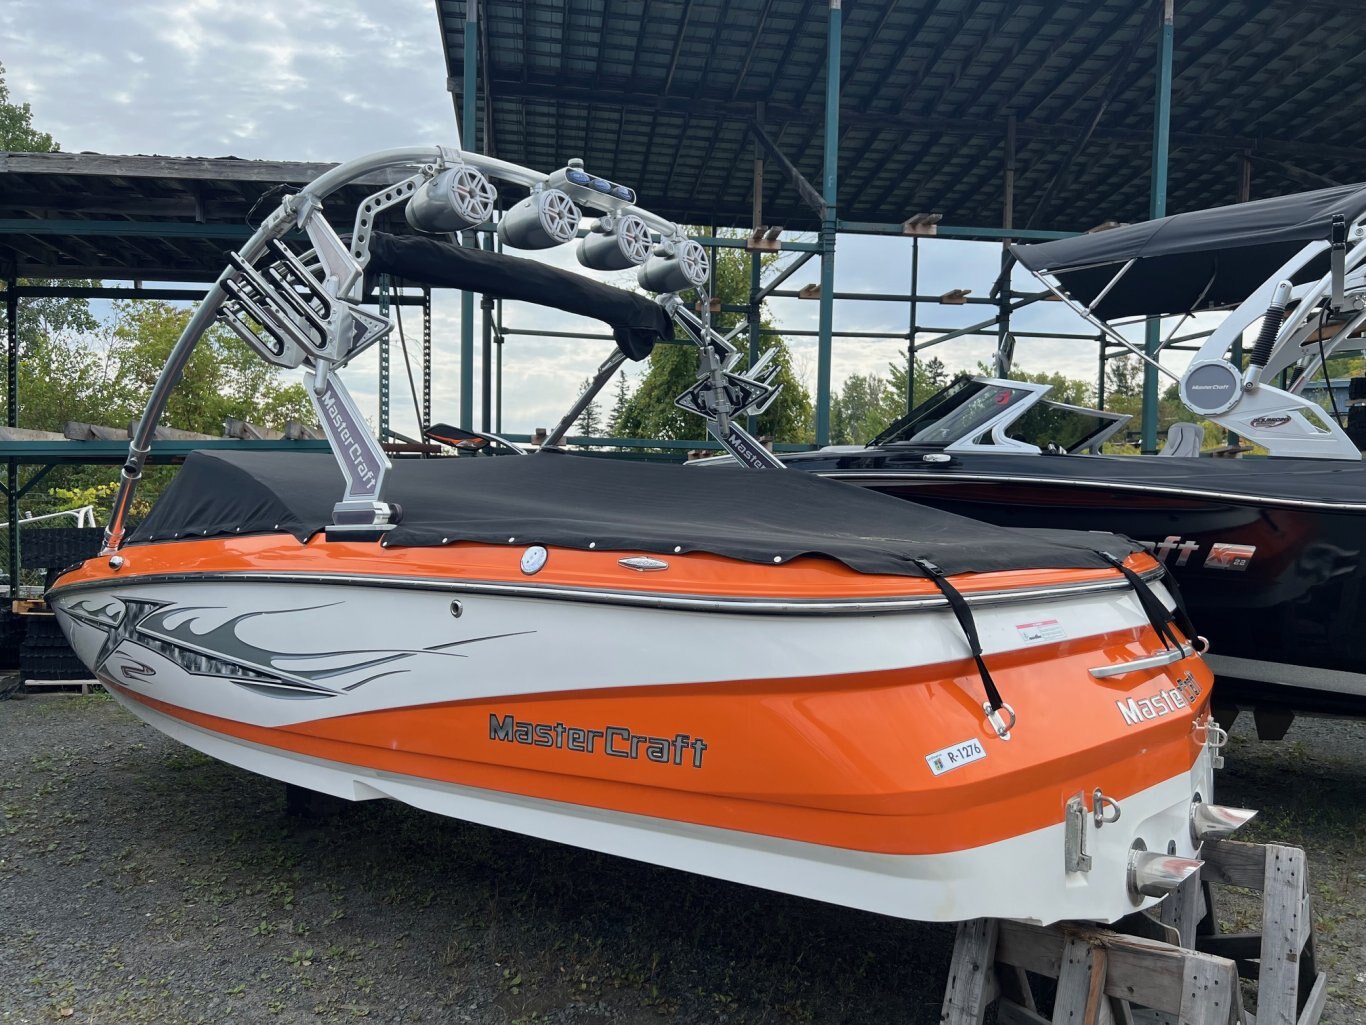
[1009, 879]
[502, 646]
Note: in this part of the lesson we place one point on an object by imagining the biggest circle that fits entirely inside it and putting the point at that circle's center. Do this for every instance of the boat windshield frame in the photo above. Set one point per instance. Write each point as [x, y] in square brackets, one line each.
[970, 425]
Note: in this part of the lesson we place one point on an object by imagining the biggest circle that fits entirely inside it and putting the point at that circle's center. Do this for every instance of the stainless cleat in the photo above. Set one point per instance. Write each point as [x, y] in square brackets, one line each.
[1216, 821]
[1155, 874]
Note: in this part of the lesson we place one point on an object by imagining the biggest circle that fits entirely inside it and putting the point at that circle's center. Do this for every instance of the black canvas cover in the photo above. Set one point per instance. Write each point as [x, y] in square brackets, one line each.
[637, 322]
[761, 516]
[1200, 260]
[1337, 482]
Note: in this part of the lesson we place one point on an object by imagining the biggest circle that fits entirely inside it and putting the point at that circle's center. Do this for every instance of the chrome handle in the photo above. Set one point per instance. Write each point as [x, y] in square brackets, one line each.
[1161, 658]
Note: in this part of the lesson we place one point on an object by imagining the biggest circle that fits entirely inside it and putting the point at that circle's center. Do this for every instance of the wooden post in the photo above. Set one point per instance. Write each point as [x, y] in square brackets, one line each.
[974, 955]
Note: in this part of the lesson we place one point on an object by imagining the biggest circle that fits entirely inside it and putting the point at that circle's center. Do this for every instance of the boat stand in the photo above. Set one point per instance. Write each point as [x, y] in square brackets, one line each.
[1171, 967]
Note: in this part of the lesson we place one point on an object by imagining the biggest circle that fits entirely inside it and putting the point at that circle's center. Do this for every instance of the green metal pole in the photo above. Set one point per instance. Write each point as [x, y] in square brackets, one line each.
[755, 267]
[913, 327]
[828, 225]
[1157, 206]
[12, 418]
[470, 142]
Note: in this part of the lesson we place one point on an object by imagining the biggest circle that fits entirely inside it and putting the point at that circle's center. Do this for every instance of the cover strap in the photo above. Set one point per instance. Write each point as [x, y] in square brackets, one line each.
[1158, 614]
[969, 627]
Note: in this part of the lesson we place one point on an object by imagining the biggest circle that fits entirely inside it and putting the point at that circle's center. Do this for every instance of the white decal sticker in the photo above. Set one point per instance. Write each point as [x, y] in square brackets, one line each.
[955, 756]
[1043, 630]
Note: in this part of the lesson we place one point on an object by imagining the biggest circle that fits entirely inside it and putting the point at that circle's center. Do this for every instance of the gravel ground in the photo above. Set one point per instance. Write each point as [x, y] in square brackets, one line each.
[142, 882]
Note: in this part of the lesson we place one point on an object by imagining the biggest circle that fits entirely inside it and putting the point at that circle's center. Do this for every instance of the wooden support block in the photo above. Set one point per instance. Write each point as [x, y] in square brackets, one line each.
[1210, 988]
[1073, 999]
[1286, 925]
[921, 224]
[24, 434]
[1182, 909]
[809, 292]
[956, 297]
[77, 431]
[1234, 862]
[1011, 1013]
[161, 433]
[84, 685]
[1313, 1007]
[244, 431]
[30, 607]
[296, 431]
[1013, 983]
[974, 957]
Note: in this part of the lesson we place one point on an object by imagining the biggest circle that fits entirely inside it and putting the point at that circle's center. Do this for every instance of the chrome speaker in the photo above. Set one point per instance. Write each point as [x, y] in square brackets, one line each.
[543, 220]
[458, 198]
[675, 266]
[615, 243]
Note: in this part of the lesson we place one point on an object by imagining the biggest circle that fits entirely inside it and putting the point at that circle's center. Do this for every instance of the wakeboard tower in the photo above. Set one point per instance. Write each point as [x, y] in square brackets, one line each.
[761, 676]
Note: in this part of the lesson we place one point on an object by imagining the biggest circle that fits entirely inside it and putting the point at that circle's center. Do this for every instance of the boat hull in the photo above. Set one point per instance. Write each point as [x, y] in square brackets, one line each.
[839, 756]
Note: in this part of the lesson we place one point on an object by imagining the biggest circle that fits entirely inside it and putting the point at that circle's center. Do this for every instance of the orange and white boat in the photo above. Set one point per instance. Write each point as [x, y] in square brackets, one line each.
[761, 676]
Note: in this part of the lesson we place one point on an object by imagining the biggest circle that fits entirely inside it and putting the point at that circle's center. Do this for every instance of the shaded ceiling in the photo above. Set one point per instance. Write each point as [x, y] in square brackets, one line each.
[88, 215]
[659, 96]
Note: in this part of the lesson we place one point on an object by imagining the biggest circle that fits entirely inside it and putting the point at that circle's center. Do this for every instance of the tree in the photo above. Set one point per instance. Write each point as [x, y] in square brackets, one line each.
[859, 410]
[223, 379]
[1124, 376]
[589, 423]
[619, 405]
[17, 134]
[40, 320]
[650, 412]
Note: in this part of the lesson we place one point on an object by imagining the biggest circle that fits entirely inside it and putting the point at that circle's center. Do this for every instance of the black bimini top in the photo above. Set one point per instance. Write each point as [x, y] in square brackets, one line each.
[1189, 262]
[636, 322]
[760, 516]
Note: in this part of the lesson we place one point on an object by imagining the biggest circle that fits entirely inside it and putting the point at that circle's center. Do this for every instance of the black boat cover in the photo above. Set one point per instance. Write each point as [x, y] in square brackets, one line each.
[761, 516]
[1334, 483]
[1195, 261]
[637, 322]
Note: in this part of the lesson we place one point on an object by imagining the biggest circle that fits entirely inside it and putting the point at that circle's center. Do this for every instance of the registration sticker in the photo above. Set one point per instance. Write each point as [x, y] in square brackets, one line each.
[1041, 631]
[954, 757]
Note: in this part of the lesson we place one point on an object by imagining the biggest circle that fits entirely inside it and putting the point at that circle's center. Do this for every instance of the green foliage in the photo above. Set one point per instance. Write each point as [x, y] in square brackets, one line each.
[223, 378]
[650, 411]
[867, 403]
[17, 134]
[589, 423]
[1065, 389]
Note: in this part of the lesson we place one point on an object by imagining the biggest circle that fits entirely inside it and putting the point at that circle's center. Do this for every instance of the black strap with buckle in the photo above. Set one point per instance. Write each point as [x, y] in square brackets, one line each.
[965, 622]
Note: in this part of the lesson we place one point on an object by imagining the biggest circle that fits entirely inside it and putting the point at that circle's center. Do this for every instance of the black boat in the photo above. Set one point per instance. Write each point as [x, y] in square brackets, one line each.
[1267, 550]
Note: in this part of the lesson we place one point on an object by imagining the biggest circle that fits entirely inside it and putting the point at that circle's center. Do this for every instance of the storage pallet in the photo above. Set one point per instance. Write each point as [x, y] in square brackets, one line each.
[1172, 967]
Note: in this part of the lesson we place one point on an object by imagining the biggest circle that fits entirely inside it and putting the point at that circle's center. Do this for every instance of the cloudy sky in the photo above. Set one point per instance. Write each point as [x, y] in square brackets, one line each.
[331, 79]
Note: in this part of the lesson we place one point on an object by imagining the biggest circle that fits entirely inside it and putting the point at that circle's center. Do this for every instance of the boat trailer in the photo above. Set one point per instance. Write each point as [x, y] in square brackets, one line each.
[1171, 965]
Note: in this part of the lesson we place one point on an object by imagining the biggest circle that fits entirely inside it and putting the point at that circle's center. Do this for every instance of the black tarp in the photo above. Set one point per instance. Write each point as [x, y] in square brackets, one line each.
[761, 516]
[1201, 260]
[1337, 482]
[636, 322]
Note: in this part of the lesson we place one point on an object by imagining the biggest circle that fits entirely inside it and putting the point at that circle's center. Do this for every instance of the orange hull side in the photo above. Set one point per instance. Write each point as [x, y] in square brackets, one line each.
[833, 761]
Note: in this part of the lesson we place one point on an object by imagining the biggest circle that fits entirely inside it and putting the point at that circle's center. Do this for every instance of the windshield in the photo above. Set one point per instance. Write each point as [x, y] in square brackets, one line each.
[1068, 428]
[957, 412]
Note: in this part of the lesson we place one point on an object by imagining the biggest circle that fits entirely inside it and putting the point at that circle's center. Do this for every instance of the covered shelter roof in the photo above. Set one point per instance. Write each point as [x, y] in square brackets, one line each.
[661, 96]
[92, 215]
